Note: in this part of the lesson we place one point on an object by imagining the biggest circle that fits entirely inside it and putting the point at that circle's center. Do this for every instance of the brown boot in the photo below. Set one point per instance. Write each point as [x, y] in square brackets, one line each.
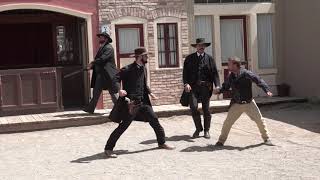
[167, 147]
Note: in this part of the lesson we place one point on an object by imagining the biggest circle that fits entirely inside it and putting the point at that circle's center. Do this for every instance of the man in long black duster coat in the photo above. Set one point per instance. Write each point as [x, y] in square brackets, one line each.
[104, 69]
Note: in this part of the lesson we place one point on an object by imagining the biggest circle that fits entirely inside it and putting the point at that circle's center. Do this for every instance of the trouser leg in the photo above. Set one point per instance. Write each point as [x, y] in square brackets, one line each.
[206, 114]
[115, 135]
[153, 120]
[195, 112]
[254, 113]
[234, 113]
[96, 95]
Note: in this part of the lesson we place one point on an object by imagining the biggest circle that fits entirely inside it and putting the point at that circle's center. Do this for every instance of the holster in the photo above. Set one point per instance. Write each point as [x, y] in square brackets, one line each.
[133, 107]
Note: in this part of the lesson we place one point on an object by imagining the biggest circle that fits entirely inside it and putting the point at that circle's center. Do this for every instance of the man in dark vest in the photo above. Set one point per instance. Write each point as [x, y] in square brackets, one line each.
[134, 102]
[104, 69]
[199, 75]
[240, 83]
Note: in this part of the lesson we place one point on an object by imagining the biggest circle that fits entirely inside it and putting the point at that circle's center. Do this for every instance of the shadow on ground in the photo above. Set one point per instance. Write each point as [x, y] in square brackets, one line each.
[186, 138]
[211, 148]
[100, 156]
[302, 115]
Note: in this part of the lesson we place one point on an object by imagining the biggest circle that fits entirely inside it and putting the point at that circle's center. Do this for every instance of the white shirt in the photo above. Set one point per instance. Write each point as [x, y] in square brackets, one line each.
[200, 54]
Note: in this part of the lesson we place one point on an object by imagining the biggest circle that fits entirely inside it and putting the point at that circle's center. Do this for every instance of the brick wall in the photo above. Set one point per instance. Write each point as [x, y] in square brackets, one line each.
[165, 83]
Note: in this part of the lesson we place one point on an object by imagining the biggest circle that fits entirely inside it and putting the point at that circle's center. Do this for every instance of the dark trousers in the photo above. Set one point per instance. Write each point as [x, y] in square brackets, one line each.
[97, 90]
[144, 111]
[200, 93]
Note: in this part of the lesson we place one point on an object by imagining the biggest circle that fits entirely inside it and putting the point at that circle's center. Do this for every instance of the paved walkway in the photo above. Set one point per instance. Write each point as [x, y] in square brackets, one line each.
[79, 118]
[76, 153]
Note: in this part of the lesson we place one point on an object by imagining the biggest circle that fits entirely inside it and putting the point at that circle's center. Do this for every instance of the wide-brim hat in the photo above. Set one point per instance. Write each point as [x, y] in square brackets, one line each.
[105, 34]
[139, 52]
[201, 41]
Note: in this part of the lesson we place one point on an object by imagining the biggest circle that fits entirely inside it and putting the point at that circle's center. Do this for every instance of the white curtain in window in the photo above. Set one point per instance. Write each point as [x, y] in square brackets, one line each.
[232, 39]
[203, 28]
[265, 41]
[129, 39]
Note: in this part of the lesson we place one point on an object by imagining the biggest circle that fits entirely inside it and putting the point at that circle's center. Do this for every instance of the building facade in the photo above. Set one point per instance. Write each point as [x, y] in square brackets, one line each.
[41, 42]
[243, 29]
[59, 38]
[159, 25]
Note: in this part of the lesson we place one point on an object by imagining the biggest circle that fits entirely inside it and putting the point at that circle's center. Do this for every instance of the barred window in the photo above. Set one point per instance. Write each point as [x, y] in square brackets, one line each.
[167, 45]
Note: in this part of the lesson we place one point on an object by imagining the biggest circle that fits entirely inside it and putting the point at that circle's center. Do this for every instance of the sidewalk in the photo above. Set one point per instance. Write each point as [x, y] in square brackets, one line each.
[23, 123]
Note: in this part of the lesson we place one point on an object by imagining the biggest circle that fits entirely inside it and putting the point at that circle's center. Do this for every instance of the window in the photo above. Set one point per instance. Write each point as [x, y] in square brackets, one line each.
[229, 1]
[129, 39]
[203, 28]
[67, 44]
[265, 41]
[233, 37]
[167, 45]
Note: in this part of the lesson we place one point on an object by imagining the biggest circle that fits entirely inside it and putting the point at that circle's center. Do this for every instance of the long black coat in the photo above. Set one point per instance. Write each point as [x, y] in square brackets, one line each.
[104, 66]
[190, 72]
[127, 76]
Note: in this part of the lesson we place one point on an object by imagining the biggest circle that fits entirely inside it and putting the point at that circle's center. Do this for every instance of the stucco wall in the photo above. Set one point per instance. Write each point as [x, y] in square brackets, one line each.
[299, 28]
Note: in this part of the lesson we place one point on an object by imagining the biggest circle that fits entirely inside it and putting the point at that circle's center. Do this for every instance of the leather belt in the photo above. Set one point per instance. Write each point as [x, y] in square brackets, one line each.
[203, 83]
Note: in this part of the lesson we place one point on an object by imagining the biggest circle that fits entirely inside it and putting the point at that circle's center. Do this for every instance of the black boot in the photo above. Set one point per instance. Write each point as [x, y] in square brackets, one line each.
[206, 134]
[196, 134]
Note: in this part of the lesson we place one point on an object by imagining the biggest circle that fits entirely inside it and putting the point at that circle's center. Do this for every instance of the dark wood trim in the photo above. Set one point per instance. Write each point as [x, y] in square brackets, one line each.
[167, 45]
[54, 39]
[43, 18]
[141, 33]
[245, 35]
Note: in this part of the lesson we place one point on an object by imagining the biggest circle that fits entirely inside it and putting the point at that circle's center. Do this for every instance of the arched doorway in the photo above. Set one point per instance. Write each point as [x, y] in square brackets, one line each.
[35, 40]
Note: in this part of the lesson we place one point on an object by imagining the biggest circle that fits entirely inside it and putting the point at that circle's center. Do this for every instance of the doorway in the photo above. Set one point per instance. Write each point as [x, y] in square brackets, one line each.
[38, 39]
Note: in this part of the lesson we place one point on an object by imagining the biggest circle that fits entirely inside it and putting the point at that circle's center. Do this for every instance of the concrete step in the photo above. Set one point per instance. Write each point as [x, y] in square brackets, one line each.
[33, 122]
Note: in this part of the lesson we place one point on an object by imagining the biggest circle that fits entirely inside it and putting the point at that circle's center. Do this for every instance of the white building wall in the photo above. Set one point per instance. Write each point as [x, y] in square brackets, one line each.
[250, 10]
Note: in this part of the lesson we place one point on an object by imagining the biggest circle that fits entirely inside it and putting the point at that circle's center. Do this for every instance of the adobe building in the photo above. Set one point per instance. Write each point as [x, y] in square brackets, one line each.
[298, 46]
[41, 41]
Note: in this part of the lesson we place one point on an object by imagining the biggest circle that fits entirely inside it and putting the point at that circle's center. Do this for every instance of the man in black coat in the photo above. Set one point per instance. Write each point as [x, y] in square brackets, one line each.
[134, 102]
[199, 75]
[104, 69]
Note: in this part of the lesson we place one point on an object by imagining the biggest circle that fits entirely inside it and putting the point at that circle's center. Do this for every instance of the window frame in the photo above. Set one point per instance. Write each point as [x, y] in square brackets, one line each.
[167, 45]
[141, 34]
[245, 36]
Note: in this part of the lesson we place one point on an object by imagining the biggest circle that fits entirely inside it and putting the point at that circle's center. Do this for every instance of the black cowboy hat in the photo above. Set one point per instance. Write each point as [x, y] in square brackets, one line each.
[139, 52]
[105, 34]
[201, 41]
